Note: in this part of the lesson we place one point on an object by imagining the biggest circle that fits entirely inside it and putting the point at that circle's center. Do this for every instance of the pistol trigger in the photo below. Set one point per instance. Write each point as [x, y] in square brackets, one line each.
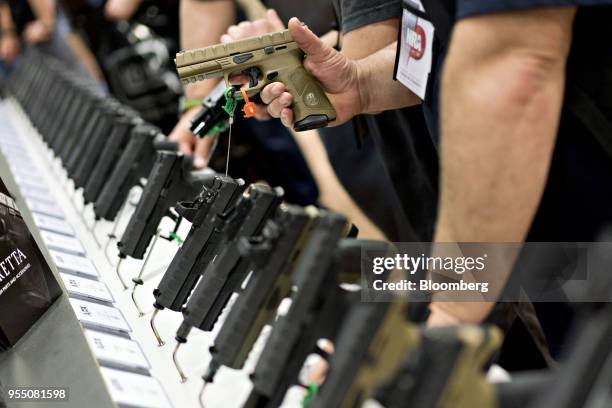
[253, 74]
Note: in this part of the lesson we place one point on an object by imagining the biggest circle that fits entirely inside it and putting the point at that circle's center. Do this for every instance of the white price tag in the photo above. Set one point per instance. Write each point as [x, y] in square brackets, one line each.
[45, 208]
[74, 264]
[52, 224]
[415, 50]
[116, 351]
[9, 140]
[29, 182]
[22, 172]
[134, 390]
[62, 243]
[16, 154]
[37, 194]
[88, 288]
[100, 316]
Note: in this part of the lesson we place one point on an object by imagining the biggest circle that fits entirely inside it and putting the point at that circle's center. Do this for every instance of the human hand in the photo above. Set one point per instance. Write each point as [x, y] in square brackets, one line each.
[338, 75]
[200, 148]
[9, 47]
[269, 24]
[36, 32]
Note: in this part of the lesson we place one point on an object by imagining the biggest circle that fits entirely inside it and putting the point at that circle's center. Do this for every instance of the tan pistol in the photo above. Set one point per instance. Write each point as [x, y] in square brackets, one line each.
[265, 59]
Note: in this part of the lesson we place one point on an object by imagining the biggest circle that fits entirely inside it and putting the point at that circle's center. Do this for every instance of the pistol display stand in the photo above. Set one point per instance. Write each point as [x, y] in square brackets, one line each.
[36, 359]
[56, 352]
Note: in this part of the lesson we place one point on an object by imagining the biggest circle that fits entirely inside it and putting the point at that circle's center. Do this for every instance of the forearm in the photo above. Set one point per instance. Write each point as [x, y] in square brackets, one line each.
[500, 108]
[6, 22]
[332, 193]
[202, 24]
[377, 89]
[44, 10]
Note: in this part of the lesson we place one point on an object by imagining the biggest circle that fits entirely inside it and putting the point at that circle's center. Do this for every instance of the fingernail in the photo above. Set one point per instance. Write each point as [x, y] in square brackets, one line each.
[199, 162]
[278, 89]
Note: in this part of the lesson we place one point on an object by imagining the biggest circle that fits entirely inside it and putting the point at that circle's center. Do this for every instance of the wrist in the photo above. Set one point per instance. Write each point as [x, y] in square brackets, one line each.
[362, 78]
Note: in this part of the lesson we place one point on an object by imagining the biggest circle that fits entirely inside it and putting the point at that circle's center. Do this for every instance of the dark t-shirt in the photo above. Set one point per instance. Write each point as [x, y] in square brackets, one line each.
[580, 170]
[370, 184]
[318, 15]
[401, 138]
[577, 202]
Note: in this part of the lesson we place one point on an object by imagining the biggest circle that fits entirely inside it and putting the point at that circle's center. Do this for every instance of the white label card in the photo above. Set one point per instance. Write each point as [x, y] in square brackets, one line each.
[29, 182]
[115, 350]
[45, 208]
[416, 51]
[97, 315]
[53, 224]
[134, 390]
[74, 264]
[62, 243]
[86, 288]
[37, 194]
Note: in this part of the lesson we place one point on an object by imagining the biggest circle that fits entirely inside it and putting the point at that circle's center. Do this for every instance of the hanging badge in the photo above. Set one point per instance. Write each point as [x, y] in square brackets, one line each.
[415, 49]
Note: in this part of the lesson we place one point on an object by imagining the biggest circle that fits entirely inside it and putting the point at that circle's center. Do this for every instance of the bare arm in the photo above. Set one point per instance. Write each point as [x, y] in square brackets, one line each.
[202, 24]
[332, 194]
[9, 43]
[44, 10]
[6, 22]
[502, 93]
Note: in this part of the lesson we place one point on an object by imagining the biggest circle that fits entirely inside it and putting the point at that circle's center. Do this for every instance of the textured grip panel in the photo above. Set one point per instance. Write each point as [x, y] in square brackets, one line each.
[309, 99]
[182, 270]
[119, 184]
[151, 208]
[108, 157]
[231, 338]
[71, 151]
[209, 290]
[89, 157]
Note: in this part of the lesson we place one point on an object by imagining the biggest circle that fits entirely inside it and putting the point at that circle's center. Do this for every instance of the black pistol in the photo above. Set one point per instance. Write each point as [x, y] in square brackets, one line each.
[225, 274]
[171, 180]
[134, 165]
[273, 256]
[206, 214]
[318, 307]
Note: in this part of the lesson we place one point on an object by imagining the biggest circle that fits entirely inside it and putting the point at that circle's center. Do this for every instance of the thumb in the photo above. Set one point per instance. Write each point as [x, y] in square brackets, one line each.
[312, 45]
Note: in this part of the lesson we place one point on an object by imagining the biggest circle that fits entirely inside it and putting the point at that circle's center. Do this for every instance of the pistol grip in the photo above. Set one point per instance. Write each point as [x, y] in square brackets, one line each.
[311, 108]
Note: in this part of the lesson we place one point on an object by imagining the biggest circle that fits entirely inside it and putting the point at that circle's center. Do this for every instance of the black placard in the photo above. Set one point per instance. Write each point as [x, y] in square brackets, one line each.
[27, 285]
